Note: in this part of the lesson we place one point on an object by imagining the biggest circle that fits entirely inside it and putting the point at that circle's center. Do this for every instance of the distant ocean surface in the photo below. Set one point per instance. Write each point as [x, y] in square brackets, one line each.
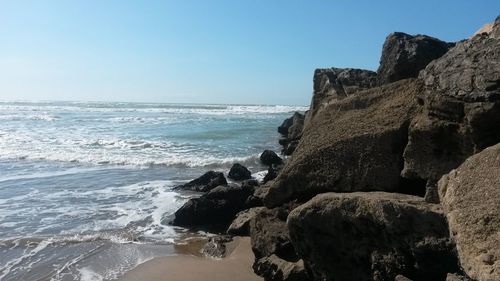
[86, 188]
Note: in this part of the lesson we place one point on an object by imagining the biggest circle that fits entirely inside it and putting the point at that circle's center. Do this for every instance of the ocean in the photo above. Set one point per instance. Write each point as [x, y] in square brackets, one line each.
[86, 187]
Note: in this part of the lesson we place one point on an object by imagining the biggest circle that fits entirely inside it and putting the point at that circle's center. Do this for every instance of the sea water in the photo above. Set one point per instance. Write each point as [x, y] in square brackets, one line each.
[86, 188]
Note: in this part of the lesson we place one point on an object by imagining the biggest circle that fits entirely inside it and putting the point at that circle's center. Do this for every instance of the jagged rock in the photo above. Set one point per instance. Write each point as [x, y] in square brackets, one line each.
[292, 130]
[241, 224]
[404, 55]
[470, 196]
[372, 236]
[275, 269]
[275, 257]
[460, 105]
[337, 83]
[239, 172]
[495, 30]
[355, 144]
[216, 247]
[205, 183]
[269, 158]
[214, 210]
[456, 277]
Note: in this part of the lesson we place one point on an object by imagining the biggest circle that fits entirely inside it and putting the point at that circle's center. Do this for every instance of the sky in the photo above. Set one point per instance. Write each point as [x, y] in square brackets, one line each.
[186, 51]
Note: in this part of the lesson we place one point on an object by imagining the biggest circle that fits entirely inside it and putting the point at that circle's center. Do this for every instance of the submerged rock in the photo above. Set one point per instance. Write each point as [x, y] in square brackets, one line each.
[239, 172]
[404, 55]
[372, 236]
[470, 196]
[205, 183]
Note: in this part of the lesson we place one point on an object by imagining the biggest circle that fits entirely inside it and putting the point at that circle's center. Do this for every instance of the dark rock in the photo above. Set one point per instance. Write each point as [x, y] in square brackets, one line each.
[355, 144]
[241, 224]
[291, 126]
[372, 236]
[239, 172]
[272, 173]
[290, 147]
[470, 196]
[216, 247]
[274, 268]
[269, 158]
[214, 210]
[404, 55]
[337, 83]
[205, 183]
[431, 193]
[460, 109]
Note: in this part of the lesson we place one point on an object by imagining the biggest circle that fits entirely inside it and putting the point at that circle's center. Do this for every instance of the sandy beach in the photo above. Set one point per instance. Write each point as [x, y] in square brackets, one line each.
[191, 266]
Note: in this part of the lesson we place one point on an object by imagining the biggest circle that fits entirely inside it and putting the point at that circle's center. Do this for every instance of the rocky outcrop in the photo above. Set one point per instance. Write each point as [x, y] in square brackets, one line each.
[460, 105]
[270, 158]
[470, 196]
[239, 172]
[216, 209]
[275, 257]
[205, 183]
[216, 247]
[372, 236]
[404, 55]
[336, 83]
[241, 224]
[355, 144]
[291, 129]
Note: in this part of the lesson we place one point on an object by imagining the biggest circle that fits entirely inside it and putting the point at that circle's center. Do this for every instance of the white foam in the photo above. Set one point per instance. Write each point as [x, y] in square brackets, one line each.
[86, 274]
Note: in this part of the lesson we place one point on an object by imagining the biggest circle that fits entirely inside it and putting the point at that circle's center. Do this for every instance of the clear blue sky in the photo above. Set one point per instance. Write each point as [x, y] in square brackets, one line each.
[234, 51]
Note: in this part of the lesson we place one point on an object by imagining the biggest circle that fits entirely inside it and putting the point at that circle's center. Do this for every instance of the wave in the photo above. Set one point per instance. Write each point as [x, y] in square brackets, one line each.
[205, 109]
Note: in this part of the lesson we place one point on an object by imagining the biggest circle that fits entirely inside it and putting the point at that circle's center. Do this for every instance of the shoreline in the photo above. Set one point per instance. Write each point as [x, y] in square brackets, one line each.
[190, 264]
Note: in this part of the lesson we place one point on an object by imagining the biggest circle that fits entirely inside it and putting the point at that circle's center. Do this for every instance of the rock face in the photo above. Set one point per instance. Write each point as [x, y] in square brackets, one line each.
[239, 172]
[216, 209]
[205, 183]
[404, 55]
[291, 129]
[460, 106]
[355, 144]
[470, 197]
[269, 158]
[372, 236]
[337, 83]
[241, 224]
[275, 257]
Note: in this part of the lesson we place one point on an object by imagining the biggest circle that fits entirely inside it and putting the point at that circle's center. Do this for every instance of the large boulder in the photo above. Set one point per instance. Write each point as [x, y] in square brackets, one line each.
[460, 109]
[216, 209]
[239, 172]
[355, 144]
[336, 83]
[470, 196]
[205, 183]
[372, 236]
[404, 55]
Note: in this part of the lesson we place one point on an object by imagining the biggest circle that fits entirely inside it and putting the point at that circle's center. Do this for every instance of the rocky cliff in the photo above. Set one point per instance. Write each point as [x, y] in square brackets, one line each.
[359, 194]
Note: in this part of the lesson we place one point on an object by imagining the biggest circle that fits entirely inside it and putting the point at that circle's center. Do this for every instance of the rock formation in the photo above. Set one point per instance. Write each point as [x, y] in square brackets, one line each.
[470, 196]
[270, 158]
[239, 172]
[291, 129]
[372, 236]
[404, 55]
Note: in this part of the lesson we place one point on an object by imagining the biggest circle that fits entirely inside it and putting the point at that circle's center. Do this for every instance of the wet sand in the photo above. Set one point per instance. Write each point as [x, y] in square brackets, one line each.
[192, 266]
